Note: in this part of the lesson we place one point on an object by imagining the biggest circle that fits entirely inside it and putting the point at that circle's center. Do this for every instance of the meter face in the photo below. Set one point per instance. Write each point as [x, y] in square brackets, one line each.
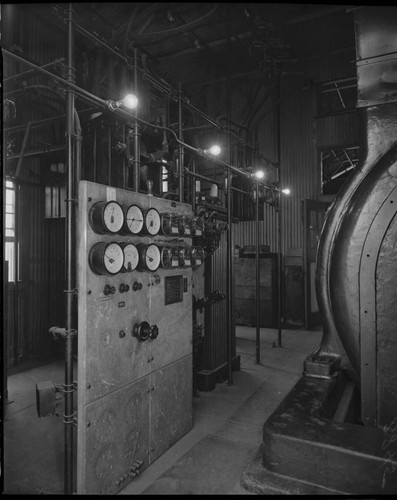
[106, 258]
[131, 257]
[152, 221]
[152, 257]
[134, 218]
[113, 216]
[113, 258]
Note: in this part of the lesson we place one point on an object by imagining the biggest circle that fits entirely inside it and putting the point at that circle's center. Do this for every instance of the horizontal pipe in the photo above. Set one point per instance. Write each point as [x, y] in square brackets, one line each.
[103, 104]
[42, 122]
[240, 191]
[37, 152]
[31, 71]
[202, 177]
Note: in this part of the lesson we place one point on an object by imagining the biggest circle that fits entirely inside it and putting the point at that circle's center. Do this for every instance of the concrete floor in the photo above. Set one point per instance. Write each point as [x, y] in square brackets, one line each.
[210, 459]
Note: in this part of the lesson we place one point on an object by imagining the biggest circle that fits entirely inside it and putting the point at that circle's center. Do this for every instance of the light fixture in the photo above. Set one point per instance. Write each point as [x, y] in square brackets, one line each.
[213, 150]
[259, 174]
[130, 101]
[286, 191]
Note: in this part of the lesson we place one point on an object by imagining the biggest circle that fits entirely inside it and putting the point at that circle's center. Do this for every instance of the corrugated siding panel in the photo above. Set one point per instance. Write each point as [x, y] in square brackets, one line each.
[299, 170]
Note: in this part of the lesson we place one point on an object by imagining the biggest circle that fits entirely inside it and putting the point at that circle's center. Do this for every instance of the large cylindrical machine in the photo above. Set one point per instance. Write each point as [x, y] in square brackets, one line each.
[337, 429]
[356, 263]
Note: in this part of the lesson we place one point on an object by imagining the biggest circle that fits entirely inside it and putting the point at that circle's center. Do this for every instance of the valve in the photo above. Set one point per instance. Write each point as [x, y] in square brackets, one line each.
[154, 331]
[142, 331]
[109, 290]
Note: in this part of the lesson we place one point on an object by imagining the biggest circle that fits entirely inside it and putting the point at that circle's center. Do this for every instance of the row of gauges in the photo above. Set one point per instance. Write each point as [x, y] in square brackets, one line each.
[110, 217]
[112, 258]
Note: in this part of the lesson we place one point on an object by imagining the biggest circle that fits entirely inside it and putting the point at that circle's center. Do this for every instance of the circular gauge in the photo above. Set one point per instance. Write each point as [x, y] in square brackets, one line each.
[106, 217]
[131, 257]
[149, 256]
[106, 258]
[166, 257]
[152, 221]
[198, 226]
[181, 255]
[134, 219]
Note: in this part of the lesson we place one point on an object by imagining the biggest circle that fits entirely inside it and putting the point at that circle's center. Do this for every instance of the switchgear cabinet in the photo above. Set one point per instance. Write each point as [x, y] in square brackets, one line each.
[135, 333]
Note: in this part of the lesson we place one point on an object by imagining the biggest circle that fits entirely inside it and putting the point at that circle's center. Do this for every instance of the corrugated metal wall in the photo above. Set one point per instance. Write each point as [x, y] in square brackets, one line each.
[41, 242]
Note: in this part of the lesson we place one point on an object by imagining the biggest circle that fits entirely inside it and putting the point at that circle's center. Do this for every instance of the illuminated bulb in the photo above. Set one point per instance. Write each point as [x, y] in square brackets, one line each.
[286, 191]
[259, 174]
[130, 101]
[214, 150]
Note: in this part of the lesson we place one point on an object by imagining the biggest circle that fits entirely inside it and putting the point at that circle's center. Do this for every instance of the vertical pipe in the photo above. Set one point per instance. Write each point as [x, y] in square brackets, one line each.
[194, 187]
[229, 244]
[16, 287]
[180, 148]
[279, 240]
[68, 415]
[257, 268]
[136, 133]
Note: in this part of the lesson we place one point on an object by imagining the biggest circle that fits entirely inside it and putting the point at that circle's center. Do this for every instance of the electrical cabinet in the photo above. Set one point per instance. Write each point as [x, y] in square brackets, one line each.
[245, 272]
[135, 333]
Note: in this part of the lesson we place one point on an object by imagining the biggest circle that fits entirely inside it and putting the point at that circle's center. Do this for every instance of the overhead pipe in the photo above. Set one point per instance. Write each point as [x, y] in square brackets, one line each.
[202, 177]
[31, 71]
[102, 103]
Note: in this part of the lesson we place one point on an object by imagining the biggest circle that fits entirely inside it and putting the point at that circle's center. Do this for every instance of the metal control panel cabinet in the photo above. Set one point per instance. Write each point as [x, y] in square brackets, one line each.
[134, 335]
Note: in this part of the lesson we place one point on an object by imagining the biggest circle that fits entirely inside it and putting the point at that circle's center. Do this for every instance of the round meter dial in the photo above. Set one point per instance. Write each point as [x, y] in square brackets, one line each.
[106, 217]
[152, 221]
[106, 258]
[134, 219]
[131, 257]
[166, 257]
[149, 257]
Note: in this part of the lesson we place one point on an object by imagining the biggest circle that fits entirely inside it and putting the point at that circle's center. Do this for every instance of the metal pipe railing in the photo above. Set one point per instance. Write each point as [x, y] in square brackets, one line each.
[69, 412]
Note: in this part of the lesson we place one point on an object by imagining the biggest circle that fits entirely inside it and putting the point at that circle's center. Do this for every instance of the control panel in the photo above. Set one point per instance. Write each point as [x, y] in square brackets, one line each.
[135, 264]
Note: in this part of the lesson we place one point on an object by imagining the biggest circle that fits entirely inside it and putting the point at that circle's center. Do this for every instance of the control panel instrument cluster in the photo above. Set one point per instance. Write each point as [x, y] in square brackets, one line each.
[128, 224]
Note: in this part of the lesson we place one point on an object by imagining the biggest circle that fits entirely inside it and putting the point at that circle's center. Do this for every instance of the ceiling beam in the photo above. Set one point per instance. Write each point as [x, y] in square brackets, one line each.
[321, 11]
[192, 50]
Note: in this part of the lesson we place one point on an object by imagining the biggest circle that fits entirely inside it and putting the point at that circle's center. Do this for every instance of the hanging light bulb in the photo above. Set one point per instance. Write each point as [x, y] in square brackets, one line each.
[130, 101]
[259, 174]
[213, 150]
[286, 191]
